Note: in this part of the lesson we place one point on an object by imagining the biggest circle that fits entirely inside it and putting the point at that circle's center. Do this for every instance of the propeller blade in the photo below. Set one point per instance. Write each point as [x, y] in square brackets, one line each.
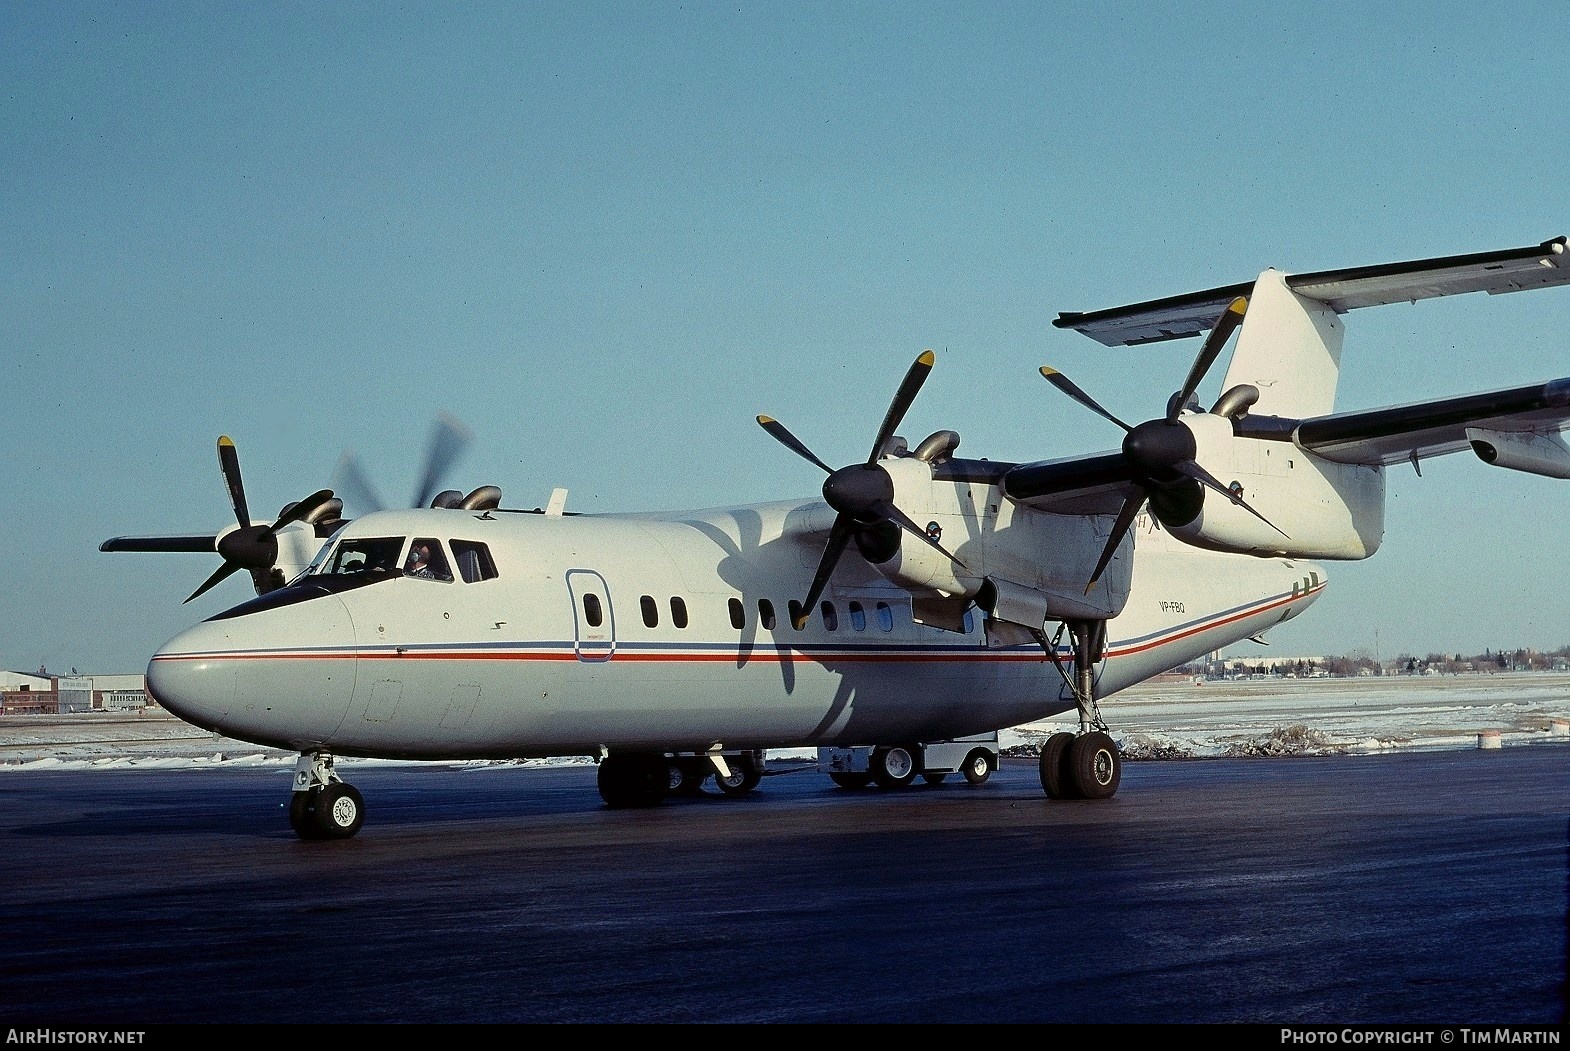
[908, 389]
[790, 441]
[1204, 477]
[1121, 526]
[449, 438]
[839, 536]
[229, 463]
[1230, 319]
[886, 509]
[207, 542]
[1066, 385]
[222, 572]
[349, 478]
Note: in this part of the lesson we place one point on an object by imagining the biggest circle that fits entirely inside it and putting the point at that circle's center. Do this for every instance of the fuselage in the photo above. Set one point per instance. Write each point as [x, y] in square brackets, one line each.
[582, 634]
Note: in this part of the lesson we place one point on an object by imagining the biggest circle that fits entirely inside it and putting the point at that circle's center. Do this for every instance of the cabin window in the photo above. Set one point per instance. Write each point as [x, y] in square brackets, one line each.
[592, 611]
[885, 617]
[678, 611]
[426, 561]
[796, 620]
[831, 619]
[738, 615]
[766, 614]
[858, 617]
[474, 561]
[651, 611]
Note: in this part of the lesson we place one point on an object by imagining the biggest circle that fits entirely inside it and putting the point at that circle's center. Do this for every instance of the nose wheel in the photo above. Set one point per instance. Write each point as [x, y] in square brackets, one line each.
[323, 806]
[1086, 765]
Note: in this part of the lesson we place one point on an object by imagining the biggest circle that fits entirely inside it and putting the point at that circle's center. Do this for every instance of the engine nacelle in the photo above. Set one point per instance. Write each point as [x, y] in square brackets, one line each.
[1315, 508]
[1544, 454]
[997, 539]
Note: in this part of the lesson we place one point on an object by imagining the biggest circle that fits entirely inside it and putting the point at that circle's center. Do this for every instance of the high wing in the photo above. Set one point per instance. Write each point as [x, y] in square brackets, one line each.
[1178, 317]
[1433, 428]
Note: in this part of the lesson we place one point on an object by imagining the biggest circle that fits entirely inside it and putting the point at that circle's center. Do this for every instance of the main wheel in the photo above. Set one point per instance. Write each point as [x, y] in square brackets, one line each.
[687, 776]
[1055, 781]
[977, 767]
[742, 778]
[934, 779]
[339, 810]
[1095, 766]
[851, 781]
[894, 766]
[635, 779]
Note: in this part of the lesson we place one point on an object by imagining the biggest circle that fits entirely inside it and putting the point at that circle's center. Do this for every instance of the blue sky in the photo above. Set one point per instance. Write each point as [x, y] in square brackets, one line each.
[608, 235]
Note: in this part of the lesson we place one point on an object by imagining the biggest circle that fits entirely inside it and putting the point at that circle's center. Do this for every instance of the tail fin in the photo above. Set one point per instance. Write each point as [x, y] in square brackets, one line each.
[1290, 348]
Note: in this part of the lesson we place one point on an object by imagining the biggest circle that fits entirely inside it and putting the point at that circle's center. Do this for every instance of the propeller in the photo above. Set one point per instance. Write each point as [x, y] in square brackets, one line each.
[1161, 452]
[448, 441]
[251, 546]
[862, 493]
[254, 546]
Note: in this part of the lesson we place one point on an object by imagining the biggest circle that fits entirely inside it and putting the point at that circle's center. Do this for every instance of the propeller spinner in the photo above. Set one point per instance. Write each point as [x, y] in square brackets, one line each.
[862, 493]
[1161, 451]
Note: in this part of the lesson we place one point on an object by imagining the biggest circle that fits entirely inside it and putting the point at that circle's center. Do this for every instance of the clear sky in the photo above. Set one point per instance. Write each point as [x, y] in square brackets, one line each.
[608, 235]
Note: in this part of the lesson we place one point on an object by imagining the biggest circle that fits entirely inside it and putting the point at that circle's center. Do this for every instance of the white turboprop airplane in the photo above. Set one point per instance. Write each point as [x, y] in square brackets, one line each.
[924, 598]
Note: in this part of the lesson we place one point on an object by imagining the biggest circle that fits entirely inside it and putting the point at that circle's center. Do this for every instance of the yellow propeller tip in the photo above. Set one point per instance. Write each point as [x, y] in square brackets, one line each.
[224, 439]
[1239, 305]
[766, 420]
[1048, 371]
[927, 357]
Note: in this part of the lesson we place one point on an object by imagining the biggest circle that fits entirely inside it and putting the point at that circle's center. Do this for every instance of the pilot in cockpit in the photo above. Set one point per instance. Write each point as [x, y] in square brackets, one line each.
[426, 561]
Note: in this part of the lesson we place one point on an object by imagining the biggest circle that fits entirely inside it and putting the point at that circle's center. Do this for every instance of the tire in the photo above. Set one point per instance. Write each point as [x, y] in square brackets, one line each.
[934, 779]
[1055, 781]
[1095, 766]
[302, 816]
[742, 778]
[894, 766]
[853, 782]
[339, 811]
[687, 776]
[977, 767]
[636, 779]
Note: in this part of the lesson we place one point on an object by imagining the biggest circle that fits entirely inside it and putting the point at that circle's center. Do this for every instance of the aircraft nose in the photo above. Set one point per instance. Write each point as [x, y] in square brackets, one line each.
[281, 675]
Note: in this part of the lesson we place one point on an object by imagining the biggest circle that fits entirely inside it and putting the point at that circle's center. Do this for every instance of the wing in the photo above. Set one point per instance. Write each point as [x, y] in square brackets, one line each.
[1177, 317]
[1433, 428]
[1097, 484]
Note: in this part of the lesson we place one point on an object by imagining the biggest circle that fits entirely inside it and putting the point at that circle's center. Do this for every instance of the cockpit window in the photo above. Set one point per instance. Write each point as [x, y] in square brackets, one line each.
[426, 560]
[474, 560]
[366, 555]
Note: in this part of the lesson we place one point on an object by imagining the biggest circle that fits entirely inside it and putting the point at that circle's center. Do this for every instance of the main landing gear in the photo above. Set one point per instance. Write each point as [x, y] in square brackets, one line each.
[323, 806]
[643, 779]
[1084, 765]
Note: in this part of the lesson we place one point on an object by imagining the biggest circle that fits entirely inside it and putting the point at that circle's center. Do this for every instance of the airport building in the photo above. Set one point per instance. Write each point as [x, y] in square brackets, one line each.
[45, 694]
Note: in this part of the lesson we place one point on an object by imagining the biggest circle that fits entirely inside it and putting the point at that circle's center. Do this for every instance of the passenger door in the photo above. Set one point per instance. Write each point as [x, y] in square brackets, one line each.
[594, 623]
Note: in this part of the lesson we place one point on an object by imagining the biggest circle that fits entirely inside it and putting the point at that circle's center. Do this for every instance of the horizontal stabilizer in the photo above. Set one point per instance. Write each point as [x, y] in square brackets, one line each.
[1178, 317]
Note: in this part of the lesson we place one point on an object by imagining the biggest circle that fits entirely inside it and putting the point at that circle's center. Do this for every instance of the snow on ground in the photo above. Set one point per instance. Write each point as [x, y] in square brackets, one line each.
[1172, 718]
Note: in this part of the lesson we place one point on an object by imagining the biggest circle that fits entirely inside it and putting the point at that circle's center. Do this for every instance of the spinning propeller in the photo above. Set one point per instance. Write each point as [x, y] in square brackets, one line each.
[449, 438]
[1161, 452]
[862, 493]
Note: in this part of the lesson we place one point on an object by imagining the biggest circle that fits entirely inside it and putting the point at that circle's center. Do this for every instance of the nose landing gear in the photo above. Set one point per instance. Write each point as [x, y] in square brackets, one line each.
[323, 806]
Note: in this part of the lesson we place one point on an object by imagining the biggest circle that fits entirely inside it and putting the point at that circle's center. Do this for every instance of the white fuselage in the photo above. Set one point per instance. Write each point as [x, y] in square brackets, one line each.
[693, 647]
